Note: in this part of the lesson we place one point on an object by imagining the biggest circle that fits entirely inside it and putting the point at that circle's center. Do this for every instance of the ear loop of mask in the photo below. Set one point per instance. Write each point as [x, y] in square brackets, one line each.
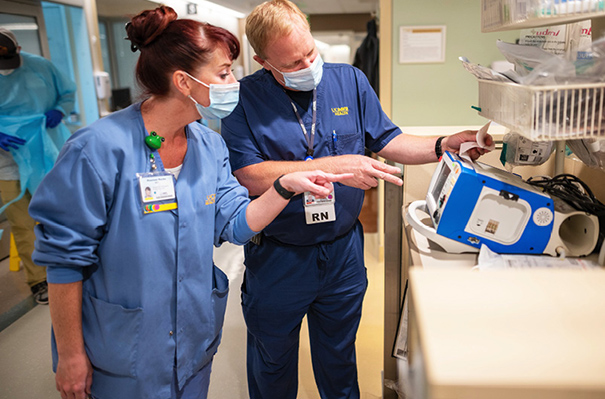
[283, 79]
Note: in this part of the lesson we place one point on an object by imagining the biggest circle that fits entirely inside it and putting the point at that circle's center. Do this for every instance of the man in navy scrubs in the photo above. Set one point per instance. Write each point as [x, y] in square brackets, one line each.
[298, 113]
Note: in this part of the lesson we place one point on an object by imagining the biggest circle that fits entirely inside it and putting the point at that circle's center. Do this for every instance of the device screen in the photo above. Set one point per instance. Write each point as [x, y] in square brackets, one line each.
[445, 172]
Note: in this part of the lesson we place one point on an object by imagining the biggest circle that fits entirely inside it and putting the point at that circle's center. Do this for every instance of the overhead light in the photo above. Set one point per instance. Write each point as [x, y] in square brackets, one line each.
[209, 6]
[20, 26]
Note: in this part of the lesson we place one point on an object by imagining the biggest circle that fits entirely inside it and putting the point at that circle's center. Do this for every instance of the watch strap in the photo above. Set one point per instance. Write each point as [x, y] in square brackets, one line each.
[286, 194]
[438, 149]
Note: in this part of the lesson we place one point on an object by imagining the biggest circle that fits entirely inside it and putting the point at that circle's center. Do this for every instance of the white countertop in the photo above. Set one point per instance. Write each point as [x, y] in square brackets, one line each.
[517, 334]
[497, 131]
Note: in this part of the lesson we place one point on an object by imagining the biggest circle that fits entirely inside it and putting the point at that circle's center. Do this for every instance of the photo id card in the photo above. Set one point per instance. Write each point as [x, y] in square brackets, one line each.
[319, 210]
[158, 186]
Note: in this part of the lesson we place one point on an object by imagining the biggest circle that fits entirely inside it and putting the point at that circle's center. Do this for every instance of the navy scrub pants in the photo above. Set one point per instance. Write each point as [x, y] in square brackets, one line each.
[282, 283]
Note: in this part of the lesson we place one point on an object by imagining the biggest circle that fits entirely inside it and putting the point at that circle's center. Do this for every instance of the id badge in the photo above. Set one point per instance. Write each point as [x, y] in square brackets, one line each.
[157, 187]
[319, 210]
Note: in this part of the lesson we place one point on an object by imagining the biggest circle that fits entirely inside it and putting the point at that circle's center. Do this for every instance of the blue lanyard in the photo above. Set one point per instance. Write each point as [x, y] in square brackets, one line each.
[310, 138]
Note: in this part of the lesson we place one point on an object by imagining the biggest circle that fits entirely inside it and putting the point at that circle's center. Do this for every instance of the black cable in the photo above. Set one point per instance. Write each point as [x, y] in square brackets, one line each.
[574, 192]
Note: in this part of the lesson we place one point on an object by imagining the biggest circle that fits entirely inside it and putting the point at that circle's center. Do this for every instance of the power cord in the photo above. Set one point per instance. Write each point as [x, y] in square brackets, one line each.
[572, 190]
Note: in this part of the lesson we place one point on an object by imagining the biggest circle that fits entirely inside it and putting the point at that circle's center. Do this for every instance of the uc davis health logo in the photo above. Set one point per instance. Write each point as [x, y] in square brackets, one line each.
[210, 199]
[341, 111]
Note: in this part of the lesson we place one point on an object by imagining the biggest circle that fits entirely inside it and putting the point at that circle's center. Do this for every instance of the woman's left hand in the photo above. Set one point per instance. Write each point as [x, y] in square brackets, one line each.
[317, 182]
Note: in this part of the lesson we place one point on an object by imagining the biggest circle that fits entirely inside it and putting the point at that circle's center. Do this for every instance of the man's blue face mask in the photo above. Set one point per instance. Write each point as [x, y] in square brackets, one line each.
[223, 100]
[306, 79]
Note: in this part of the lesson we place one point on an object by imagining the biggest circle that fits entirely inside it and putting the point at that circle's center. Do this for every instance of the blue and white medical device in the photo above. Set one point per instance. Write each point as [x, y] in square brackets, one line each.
[471, 203]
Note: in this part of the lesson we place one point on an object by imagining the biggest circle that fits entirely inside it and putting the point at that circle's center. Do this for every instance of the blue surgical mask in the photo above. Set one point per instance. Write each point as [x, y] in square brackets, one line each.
[223, 100]
[306, 79]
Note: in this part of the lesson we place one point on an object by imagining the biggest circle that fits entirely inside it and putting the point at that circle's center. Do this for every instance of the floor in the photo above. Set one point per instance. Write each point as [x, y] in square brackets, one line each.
[25, 365]
[15, 295]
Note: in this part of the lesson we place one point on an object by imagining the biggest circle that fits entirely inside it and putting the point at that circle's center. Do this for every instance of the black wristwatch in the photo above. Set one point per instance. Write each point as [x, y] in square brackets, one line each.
[438, 149]
[286, 194]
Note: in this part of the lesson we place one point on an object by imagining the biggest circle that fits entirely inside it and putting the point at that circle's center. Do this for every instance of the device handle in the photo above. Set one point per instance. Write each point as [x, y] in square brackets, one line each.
[427, 231]
[430, 232]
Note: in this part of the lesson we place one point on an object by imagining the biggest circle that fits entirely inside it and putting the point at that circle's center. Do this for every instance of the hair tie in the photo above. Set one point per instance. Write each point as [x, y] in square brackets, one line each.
[133, 47]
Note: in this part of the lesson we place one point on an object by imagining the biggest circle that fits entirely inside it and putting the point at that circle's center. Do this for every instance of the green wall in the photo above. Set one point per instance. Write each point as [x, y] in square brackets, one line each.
[442, 94]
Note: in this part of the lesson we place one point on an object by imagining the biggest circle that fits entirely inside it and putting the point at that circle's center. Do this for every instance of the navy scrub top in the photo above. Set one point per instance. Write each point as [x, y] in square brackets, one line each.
[264, 127]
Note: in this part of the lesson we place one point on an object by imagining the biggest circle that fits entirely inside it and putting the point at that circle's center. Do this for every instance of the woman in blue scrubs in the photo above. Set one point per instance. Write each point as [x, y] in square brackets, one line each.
[129, 215]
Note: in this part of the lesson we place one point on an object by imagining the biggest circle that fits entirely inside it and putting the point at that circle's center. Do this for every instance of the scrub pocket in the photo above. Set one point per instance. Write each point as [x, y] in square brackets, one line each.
[205, 325]
[348, 143]
[111, 336]
[220, 291]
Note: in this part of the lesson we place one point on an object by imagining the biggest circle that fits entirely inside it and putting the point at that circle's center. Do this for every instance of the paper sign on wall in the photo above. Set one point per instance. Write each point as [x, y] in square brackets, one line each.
[421, 44]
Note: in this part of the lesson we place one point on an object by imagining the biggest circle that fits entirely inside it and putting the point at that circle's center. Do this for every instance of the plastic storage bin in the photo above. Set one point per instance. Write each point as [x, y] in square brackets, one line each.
[543, 113]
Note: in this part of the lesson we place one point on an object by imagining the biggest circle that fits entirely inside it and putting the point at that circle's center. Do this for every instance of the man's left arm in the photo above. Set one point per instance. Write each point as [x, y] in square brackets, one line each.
[414, 150]
[61, 95]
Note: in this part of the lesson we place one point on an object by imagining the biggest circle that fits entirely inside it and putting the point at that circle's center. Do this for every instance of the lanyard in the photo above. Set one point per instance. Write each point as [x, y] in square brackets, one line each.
[310, 139]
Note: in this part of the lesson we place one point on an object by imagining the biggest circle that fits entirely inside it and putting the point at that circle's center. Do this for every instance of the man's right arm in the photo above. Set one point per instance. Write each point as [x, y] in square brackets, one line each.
[259, 177]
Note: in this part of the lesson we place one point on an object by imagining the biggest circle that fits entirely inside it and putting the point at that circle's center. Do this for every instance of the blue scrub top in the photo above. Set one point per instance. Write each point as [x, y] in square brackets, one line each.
[151, 293]
[264, 127]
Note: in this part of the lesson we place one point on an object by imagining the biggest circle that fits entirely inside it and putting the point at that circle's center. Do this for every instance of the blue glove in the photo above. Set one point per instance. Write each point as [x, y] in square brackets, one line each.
[53, 118]
[7, 141]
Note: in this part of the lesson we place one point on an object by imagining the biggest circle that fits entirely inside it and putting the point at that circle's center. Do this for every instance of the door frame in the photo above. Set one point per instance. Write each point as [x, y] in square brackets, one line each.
[30, 10]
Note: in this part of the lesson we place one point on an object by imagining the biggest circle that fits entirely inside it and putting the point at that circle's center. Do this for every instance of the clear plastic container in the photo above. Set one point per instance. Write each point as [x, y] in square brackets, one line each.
[543, 113]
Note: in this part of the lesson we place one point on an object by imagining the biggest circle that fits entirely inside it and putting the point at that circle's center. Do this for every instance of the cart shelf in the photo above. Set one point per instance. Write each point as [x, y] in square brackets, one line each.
[499, 15]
